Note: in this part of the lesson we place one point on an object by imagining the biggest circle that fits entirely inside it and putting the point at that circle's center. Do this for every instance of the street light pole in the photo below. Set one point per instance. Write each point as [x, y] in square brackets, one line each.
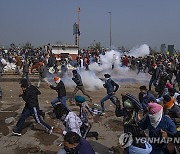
[110, 29]
[78, 33]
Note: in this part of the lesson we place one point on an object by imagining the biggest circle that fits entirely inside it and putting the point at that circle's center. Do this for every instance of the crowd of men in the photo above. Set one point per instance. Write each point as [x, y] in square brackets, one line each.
[157, 109]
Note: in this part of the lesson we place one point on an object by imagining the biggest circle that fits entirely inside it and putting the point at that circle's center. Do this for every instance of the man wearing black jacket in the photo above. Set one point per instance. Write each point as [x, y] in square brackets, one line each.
[61, 90]
[79, 84]
[30, 96]
[154, 72]
[145, 96]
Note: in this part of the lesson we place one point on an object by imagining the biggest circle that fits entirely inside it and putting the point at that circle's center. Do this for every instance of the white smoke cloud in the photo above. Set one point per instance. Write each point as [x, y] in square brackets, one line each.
[115, 57]
[107, 60]
[140, 51]
[90, 80]
[67, 79]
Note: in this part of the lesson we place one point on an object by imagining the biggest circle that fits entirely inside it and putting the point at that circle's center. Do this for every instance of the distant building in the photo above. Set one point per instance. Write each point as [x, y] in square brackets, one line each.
[171, 49]
[163, 48]
[65, 50]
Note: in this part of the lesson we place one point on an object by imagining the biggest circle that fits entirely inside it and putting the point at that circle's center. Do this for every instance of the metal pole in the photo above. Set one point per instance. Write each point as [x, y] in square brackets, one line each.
[110, 30]
[76, 38]
[78, 26]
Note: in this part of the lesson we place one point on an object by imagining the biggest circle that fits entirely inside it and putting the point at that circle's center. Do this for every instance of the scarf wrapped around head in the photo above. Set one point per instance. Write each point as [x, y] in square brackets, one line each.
[155, 113]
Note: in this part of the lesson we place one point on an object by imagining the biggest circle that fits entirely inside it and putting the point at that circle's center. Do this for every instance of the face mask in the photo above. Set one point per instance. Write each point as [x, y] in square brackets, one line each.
[106, 79]
[155, 118]
[70, 150]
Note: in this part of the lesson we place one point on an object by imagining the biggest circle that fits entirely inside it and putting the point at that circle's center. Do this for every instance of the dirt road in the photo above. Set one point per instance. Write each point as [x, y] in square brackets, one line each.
[36, 140]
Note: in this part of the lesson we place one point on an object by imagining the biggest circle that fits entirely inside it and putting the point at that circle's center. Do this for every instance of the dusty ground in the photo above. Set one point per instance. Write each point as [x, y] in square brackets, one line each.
[36, 140]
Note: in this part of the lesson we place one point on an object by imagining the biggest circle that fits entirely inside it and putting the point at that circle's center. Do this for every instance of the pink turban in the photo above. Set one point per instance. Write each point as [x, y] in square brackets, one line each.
[168, 85]
[154, 108]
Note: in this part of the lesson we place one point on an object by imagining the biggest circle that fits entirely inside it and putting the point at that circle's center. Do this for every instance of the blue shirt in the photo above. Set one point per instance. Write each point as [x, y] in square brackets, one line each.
[166, 124]
[84, 147]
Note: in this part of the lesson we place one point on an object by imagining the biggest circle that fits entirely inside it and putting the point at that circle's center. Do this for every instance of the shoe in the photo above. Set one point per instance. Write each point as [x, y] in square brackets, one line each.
[102, 113]
[93, 134]
[16, 133]
[96, 135]
[50, 131]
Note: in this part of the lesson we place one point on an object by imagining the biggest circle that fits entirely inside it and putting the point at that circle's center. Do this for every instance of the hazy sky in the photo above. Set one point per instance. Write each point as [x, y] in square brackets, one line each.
[134, 22]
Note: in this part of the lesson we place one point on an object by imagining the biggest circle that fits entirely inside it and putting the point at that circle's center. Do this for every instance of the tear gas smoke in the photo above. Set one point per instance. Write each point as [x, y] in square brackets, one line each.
[114, 58]
[110, 58]
[140, 51]
[67, 79]
[91, 78]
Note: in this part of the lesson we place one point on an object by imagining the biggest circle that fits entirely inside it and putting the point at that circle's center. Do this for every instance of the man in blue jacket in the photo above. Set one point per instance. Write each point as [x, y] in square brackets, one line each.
[111, 88]
[158, 125]
[74, 144]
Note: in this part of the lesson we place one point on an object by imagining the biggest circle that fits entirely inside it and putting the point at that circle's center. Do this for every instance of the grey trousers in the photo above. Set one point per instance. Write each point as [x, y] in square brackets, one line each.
[81, 88]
